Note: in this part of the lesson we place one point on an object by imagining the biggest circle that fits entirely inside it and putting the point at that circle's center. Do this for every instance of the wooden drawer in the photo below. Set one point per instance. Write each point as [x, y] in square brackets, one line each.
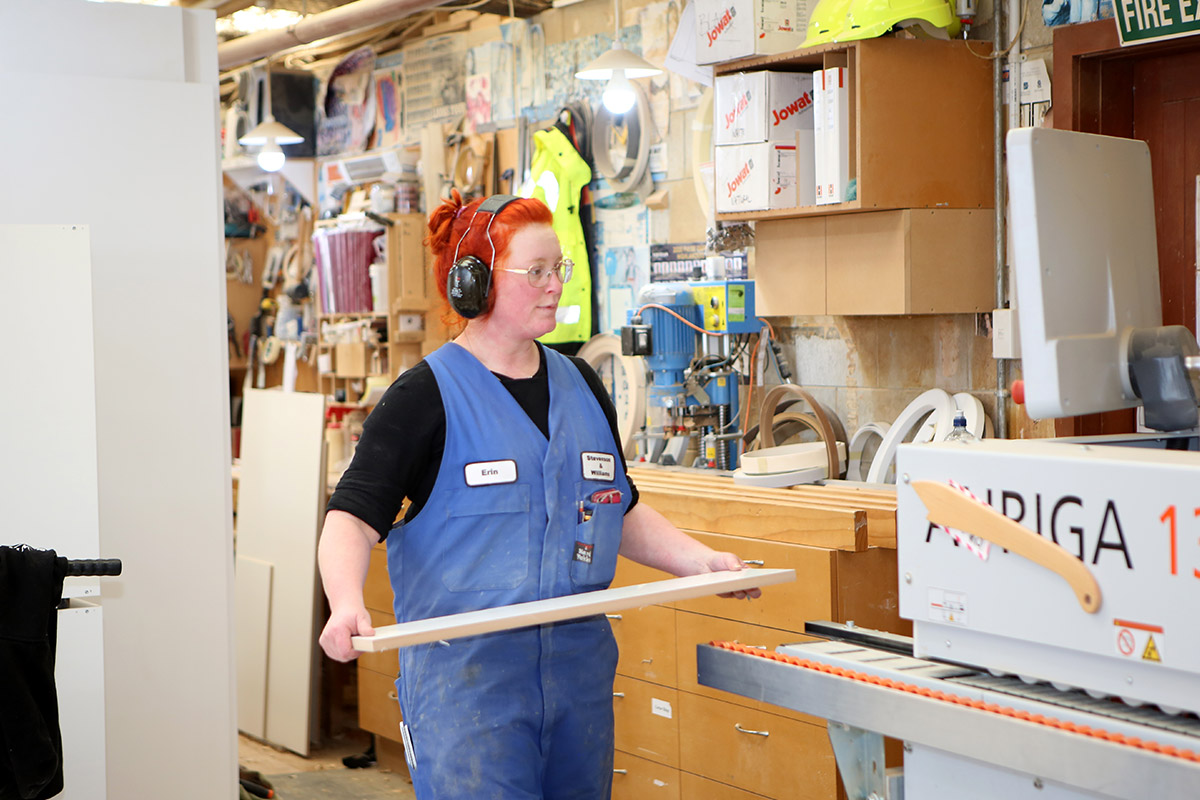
[378, 708]
[635, 778]
[647, 720]
[377, 591]
[693, 787]
[646, 639]
[693, 629]
[385, 662]
[794, 760]
[785, 606]
[630, 573]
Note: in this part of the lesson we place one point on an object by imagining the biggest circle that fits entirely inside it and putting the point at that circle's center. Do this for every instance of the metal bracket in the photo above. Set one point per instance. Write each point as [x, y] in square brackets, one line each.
[860, 760]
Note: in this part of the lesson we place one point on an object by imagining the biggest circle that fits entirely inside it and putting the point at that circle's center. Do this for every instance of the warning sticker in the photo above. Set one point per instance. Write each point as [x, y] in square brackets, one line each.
[1139, 640]
[947, 606]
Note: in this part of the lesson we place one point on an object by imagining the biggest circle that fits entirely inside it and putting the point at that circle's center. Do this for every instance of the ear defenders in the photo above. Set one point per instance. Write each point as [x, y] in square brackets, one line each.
[470, 278]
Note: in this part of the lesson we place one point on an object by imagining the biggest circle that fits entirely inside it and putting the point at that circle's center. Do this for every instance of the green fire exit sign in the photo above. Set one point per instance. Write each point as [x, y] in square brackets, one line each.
[1149, 20]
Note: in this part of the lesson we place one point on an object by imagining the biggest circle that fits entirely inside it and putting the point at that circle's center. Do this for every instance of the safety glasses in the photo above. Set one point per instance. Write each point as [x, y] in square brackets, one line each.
[540, 276]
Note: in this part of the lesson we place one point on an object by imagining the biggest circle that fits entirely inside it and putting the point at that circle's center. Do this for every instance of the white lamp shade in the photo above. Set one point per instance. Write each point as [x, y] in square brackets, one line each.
[270, 129]
[618, 58]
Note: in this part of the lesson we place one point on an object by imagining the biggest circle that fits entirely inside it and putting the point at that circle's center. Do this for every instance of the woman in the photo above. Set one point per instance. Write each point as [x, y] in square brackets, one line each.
[508, 454]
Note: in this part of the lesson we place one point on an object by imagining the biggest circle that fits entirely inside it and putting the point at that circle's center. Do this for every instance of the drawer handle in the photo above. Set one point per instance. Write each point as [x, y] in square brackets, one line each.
[620, 771]
[618, 694]
[757, 562]
[392, 696]
[613, 616]
[753, 733]
[647, 660]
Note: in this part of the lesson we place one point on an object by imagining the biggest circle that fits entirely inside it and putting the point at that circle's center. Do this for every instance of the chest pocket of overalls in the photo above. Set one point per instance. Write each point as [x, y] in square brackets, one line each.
[597, 540]
[486, 539]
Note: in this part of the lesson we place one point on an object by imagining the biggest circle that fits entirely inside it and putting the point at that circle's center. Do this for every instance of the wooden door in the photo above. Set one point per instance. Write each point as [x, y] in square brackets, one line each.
[1149, 92]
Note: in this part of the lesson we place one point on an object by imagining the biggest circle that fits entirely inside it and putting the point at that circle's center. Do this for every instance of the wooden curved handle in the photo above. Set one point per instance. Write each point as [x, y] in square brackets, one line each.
[950, 507]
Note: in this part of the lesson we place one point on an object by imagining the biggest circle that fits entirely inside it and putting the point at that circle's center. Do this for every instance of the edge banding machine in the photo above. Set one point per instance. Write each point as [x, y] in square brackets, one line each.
[1052, 584]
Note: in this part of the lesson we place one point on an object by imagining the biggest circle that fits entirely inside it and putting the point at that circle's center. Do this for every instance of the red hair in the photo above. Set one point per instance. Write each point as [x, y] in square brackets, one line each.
[450, 230]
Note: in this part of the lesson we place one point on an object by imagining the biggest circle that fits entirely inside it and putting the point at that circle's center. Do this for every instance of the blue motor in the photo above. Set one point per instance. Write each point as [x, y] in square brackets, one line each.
[667, 342]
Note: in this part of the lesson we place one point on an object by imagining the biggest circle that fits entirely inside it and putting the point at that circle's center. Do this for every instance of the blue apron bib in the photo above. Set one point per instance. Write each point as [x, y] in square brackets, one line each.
[512, 518]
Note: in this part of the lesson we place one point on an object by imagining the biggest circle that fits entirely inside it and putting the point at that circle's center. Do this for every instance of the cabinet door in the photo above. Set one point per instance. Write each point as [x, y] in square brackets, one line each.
[378, 708]
[763, 753]
[646, 640]
[694, 629]
[693, 787]
[385, 662]
[785, 606]
[646, 719]
[637, 778]
[377, 591]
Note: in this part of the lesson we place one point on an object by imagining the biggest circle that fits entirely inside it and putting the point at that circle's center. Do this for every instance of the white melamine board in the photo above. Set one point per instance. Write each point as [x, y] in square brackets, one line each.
[556, 609]
[110, 141]
[71, 49]
[252, 598]
[280, 499]
[79, 678]
[49, 488]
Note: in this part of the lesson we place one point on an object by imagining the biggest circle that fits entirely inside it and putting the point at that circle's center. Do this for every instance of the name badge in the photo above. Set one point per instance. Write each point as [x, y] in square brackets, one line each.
[599, 466]
[486, 473]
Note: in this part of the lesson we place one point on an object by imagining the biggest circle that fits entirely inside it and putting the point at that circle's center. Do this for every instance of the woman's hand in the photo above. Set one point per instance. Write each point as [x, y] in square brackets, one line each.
[335, 638]
[722, 562]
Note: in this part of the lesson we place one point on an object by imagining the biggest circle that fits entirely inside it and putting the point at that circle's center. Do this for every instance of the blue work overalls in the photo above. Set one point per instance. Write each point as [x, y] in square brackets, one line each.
[512, 518]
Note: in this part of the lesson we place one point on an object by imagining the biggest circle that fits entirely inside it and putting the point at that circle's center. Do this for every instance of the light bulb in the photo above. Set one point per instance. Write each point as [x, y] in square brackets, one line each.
[618, 95]
[271, 157]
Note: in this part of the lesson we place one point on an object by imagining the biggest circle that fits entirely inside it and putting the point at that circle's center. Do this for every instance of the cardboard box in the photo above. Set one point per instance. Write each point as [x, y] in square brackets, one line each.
[833, 136]
[729, 29]
[762, 106]
[755, 177]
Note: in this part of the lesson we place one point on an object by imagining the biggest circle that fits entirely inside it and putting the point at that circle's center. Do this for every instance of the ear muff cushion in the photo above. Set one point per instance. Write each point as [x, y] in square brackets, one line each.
[467, 286]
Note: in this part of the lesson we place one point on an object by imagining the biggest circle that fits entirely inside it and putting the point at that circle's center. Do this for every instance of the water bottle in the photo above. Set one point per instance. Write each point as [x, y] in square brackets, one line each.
[960, 432]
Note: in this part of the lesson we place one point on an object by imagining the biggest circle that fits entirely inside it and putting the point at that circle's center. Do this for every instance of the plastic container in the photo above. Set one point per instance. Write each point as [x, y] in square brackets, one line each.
[960, 432]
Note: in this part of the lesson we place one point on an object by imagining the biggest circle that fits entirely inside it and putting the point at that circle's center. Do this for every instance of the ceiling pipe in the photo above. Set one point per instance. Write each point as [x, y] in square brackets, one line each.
[350, 17]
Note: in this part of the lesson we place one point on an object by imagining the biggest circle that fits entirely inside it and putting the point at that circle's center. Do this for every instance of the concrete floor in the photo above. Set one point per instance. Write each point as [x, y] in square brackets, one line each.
[322, 776]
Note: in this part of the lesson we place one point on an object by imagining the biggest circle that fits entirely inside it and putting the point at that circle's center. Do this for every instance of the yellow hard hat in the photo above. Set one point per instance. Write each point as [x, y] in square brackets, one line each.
[848, 20]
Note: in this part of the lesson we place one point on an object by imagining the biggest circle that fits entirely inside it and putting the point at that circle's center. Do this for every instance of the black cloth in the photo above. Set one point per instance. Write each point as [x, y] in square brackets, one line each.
[31, 584]
[400, 450]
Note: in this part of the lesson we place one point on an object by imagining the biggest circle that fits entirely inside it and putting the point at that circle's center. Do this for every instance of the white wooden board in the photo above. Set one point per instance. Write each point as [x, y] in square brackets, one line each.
[280, 498]
[252, 595]
[556, 609]
[50, 486]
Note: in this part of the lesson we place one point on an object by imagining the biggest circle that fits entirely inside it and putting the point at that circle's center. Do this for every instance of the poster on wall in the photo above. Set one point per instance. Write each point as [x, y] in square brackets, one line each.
[389, 118]
[1070, 12]
[623, 245]
[346, 105]
[434, 85]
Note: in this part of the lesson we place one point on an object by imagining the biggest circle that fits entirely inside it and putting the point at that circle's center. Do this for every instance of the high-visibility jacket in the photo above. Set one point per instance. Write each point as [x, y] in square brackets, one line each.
[559, 175]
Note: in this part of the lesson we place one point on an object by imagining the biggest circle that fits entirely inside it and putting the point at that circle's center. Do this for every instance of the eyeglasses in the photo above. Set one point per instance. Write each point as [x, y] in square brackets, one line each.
[540, 276]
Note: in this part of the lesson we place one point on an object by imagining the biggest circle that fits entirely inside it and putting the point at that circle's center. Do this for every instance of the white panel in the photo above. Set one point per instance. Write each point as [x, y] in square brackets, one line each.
[76, 43]
[252, 592]
[280, 498]
[49, 267]
[79, 676]
[136, 161]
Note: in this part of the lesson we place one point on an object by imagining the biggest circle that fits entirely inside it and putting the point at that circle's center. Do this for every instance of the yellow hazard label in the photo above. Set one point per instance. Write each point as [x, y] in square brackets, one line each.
[1150, 653]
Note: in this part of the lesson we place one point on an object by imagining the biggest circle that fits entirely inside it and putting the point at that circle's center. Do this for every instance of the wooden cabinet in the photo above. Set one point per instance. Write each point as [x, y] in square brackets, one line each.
[920, 122]
[918, 237]
[397, 336]
[378, 706]
[723, 746]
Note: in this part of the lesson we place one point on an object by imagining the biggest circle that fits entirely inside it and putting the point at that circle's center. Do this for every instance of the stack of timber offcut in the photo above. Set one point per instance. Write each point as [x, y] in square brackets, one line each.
[838, 517]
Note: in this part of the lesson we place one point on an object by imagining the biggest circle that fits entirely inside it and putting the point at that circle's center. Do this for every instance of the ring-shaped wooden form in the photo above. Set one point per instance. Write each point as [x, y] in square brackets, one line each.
[932, 402]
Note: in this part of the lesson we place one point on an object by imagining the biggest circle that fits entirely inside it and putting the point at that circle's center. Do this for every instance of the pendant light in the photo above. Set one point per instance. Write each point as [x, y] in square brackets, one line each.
[618, 66]
[270, 134]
